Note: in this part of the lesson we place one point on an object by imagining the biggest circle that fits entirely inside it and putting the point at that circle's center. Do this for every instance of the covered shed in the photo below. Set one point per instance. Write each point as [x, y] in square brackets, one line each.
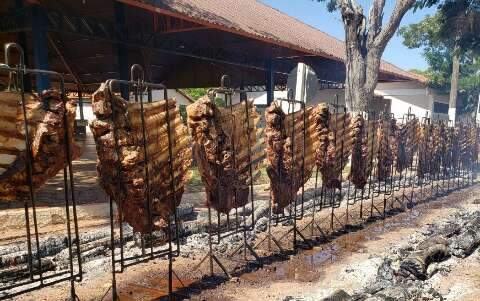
[182, 43]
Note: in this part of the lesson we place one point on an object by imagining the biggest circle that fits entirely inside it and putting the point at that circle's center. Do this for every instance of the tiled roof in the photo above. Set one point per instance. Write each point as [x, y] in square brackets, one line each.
[257, 20]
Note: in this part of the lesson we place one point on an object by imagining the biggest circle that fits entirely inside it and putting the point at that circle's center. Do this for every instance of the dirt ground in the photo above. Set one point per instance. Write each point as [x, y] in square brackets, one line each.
[348, 261]
[351, 260]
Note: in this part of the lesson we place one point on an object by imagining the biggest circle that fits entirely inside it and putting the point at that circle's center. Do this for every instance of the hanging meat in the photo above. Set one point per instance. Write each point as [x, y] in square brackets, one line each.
[335, 144]
[359, 169]
[392, 139]
[446, 148]
[467, 145]
[401, 160]
[456, 147]
[223, 151]
[411, 140]
[386, 151]
[325, 152]
[290, 153]
[121, 163]
[425, 147]
[437, 150]
[45, 117]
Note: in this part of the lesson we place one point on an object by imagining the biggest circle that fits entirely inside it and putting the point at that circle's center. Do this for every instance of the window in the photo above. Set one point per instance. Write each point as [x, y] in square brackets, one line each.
[440, 108]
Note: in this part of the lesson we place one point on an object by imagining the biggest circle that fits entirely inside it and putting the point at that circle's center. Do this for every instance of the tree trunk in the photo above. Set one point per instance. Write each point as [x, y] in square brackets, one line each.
[452, 110]
[365, 41]
[355, 97]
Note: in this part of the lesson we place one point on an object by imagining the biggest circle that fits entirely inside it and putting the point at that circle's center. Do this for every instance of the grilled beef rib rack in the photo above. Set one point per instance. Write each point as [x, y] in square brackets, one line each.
[121, 161]
[45, 119]
[335, 144]
[288, 166]
[221, 149]
[363, 137]
[386, 150]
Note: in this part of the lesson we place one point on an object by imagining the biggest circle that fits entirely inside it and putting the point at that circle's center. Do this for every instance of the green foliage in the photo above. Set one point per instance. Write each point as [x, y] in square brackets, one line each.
[196, 93]
[332, 5]
[433, 35]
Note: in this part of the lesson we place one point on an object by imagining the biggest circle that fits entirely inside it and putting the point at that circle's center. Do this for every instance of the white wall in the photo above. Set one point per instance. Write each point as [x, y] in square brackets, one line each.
[406, 96]
[411, 95]
[329, 96]
[259, 98]
[172, 93]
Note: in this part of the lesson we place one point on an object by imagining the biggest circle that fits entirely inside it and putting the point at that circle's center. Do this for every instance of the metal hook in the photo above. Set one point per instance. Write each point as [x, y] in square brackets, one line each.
[225, 82]
[9, 46]
[211, 94]
[13, 79]
[141, 79]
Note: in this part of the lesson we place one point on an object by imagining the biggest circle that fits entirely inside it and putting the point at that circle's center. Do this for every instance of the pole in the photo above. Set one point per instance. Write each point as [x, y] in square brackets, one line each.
[270, 82]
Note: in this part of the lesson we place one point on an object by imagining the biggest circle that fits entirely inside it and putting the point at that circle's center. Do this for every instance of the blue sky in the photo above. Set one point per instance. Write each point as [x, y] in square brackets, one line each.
[316, 15]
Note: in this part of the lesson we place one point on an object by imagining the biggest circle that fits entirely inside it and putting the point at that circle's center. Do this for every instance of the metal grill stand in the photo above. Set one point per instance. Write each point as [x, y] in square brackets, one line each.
[74, 273]
[139, 86]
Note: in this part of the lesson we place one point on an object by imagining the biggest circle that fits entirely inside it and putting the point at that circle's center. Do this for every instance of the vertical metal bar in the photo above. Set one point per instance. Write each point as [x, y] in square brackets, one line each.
[386, 137]
[112, 246]
[333, 202]
[170, 257]
[29, 175]
[341, 158]
[66, 190]
[210, 247]
[303, 156]
[370, 188]
[228, 103]
[120, 187]
[145, 166]
[171, 160]
[28, 146]
[250, 167]
[292, 187]
[314, 201]
[270, 210]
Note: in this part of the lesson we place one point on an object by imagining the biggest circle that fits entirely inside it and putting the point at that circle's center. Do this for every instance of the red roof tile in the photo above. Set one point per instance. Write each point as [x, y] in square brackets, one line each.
[257, 20]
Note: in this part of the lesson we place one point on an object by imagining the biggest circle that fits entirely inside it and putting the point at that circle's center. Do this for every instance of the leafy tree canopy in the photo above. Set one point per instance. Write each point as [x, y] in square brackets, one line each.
[456, 22]
[197, 93]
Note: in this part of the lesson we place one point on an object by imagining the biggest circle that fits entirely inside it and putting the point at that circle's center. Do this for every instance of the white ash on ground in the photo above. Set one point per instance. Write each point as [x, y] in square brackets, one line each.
[395, 280]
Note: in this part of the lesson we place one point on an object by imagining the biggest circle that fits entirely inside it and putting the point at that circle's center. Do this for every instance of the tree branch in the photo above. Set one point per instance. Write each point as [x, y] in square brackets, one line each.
[353, 20]
[375, 19]
[401, 8]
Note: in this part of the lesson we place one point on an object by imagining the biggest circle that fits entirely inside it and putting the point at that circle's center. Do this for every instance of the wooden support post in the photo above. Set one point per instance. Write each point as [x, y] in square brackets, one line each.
[22, 41]
[270, 83]
[40, 46]
[122, 52]
[80, 102]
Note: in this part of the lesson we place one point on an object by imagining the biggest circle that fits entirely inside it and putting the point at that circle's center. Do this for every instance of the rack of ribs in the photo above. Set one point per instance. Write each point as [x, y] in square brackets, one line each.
[45, 119]
[335, 144]
[223, 151]
[118, 132]
[289, 165]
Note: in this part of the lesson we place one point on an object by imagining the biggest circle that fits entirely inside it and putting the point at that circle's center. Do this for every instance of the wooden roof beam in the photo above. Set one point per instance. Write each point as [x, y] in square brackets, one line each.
[60, 50]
